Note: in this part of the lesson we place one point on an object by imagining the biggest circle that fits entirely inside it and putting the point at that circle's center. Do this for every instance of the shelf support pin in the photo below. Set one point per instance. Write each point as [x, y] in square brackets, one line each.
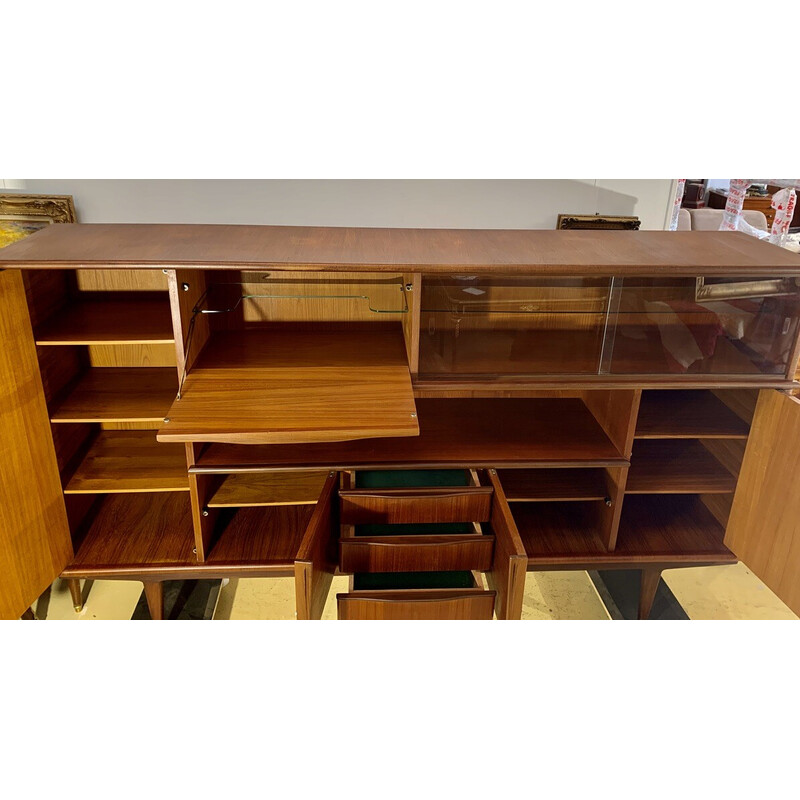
[607, 501]
[166, 419]
[204, 512]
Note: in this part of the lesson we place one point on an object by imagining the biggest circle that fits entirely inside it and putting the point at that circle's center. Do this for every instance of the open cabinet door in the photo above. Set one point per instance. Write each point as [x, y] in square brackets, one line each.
[35, 543]
[317, 557]
[764, 526]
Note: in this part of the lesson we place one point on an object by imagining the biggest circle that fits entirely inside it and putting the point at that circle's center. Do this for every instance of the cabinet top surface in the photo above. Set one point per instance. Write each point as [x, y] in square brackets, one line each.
[392, 249]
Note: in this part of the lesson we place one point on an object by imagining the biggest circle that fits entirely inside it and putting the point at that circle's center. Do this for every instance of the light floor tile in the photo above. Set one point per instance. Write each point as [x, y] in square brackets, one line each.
[561, 595]
[728, 592]
[104, 600]
[269, 598]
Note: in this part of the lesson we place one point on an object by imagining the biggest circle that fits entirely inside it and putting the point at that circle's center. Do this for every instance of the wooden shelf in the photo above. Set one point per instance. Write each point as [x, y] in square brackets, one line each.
[672, 528]
[286, 385]
[269, 489]
[263, 540]
[556, 532]
[655, 529]
[130, 461]
[676, 466]
[119, 394]
[109, 321]
[687, 414]
[131, 534]
[454, 433]
[537, 485]
[151, 534]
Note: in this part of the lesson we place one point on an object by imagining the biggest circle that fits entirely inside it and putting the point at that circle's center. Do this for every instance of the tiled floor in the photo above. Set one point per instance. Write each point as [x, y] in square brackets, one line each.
[730, 592]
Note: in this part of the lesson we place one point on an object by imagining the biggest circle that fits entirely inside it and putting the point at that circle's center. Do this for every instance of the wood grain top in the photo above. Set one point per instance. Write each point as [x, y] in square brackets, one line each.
[393, 249]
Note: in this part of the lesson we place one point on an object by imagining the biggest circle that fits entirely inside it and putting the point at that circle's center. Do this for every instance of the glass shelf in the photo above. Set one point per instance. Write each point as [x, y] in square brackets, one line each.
[374, 296]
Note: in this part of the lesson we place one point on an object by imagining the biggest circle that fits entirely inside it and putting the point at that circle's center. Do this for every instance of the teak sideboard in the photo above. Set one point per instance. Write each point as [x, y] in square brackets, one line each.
[433, 412]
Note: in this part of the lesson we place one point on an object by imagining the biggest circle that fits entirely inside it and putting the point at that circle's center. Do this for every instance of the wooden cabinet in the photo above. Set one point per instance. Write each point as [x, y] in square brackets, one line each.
[432, 412]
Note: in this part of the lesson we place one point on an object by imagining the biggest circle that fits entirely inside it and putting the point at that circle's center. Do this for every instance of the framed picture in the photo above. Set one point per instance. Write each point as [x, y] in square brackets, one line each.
[596, 222]
[24, 214]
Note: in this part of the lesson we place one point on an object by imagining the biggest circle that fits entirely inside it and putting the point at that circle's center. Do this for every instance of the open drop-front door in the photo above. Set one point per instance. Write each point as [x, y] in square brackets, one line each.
[35, 543]
[764, 526]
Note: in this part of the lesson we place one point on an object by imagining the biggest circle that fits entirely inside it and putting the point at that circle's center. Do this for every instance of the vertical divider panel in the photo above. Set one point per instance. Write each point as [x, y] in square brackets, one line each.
[186, 287]
[204, 519]
[411, 321]
[609, 516]
[510, 560]
[616, 410]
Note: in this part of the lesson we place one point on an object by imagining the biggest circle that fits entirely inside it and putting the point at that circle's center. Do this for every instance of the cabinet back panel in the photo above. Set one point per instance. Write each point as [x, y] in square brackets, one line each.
[121, 280]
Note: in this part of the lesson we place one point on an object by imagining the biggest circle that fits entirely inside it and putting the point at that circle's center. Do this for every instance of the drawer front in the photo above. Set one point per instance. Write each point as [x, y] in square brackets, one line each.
[417, 604]
[409, 506]
[415, 553]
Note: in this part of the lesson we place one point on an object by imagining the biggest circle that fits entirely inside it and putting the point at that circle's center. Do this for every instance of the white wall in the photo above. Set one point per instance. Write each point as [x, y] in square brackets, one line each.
[370, 203]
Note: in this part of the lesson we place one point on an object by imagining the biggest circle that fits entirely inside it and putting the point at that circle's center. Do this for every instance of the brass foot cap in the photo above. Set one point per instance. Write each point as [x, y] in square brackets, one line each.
[78, 609]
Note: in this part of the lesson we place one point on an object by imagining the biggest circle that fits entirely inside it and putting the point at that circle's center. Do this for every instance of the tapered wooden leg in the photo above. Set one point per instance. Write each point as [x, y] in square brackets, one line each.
[154, 592]
[647, 591]
[75, 590]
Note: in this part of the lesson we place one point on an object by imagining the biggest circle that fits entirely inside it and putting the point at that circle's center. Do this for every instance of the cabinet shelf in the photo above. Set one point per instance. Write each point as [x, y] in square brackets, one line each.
[109, 321]
[671, 528]
[129, 461]
[676, 466]
[537, 485]
[687, 414]
[656, 529]
[118, 394]
[151, 534]
[559, 532]
[454, 433]
[269, 489]
[277, 385]
[132, 534]
[259, 540]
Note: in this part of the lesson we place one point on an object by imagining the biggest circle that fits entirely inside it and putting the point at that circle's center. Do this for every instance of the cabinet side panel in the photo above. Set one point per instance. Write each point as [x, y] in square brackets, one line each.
[34, 536]
[764, 525]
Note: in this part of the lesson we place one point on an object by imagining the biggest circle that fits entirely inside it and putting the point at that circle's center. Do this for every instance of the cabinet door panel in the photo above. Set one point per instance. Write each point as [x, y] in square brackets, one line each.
[318, 554]
[35, 543]
[764, 525]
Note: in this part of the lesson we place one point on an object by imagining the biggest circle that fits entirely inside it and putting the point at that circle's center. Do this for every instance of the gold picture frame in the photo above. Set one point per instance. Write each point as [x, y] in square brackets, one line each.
[597, 222]
[24, 214]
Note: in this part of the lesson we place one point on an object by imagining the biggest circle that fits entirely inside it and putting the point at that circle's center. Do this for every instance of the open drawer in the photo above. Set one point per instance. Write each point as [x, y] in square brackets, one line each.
[416, 596]
[415, 529]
